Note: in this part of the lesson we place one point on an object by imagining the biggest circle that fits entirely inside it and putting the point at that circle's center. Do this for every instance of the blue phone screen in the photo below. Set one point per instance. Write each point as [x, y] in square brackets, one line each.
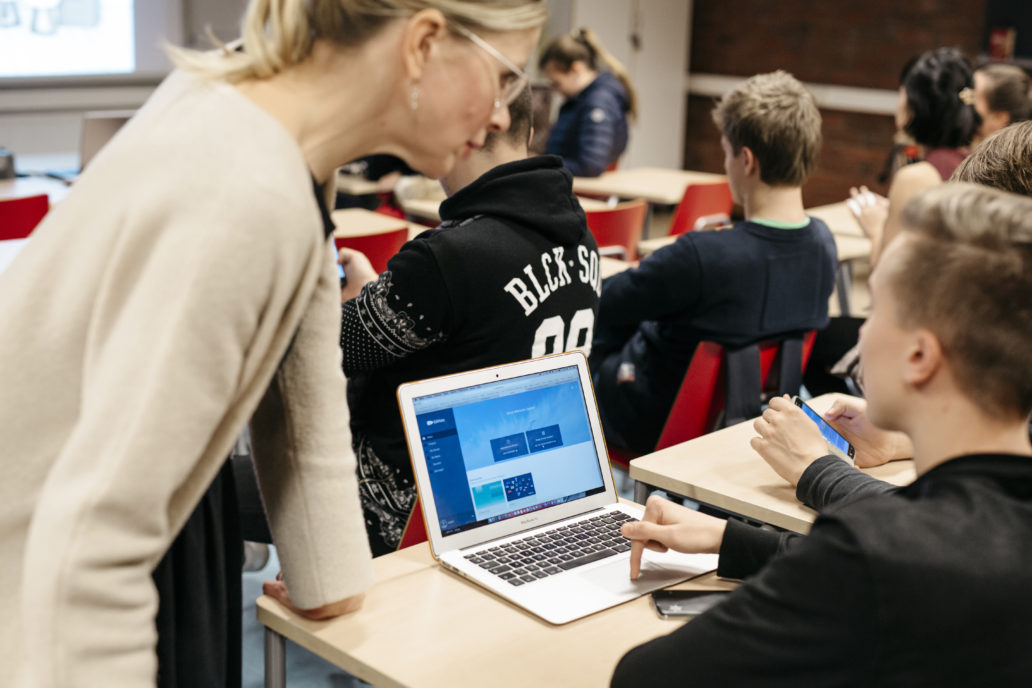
[829, 433]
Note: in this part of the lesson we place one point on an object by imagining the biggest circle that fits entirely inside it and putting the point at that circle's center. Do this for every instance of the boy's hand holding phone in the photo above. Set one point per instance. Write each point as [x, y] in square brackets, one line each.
[874, 446]
[788, 439]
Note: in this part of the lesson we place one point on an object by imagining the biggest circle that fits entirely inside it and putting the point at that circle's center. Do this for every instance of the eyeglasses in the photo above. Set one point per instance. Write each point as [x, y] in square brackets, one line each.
[514, 82]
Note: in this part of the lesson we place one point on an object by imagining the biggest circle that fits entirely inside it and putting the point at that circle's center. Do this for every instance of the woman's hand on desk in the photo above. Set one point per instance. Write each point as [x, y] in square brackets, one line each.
[277, 589]
[788, 440]
[874, 446]
[666, 525]
[359, 272]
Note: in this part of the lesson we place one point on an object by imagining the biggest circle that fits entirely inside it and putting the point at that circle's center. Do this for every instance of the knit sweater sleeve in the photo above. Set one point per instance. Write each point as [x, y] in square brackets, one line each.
[830, 479]
[406, 309]
[305, 462]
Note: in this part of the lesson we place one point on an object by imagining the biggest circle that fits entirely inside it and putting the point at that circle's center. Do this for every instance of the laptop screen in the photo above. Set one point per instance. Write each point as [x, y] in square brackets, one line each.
[503, 449]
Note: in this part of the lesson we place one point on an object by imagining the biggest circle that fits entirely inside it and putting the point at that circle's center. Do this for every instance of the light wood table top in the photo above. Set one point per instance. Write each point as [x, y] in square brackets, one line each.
[9, 249]
[429, 208]
[423, 626]
[613, 266]
[849, 246]
[839, 219]
[355, 184]
[654, 184]
[21, 187]
[361, 222]
[722, 470]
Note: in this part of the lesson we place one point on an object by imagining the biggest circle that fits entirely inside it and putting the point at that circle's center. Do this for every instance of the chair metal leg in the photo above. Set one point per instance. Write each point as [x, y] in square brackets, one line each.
[641, 492]
[275, 659]
[843, 285]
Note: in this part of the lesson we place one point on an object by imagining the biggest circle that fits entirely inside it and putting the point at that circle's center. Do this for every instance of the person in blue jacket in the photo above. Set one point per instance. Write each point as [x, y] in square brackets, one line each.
[591, 131]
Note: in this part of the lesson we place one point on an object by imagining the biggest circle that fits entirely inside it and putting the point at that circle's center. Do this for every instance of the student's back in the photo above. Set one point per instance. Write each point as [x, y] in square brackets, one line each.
[512, 273]
[745, 284]
[770, 275]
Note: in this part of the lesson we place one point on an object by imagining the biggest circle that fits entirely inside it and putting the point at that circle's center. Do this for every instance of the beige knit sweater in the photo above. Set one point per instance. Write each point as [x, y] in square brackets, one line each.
[183, 286]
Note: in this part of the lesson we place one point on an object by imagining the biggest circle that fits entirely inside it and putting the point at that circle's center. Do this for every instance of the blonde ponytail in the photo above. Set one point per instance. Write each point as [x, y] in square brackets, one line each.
[278, 34]
[606, 59]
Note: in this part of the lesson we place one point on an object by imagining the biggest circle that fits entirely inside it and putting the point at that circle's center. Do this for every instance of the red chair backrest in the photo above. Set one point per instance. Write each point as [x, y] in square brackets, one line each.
[620, 225]
[700, 399]
[19, 216]
[700, 200]
[378, 247]
[415, 529]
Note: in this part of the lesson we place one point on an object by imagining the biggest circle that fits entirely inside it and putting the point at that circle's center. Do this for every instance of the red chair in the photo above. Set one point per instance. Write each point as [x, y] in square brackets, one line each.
[19, 216]
[618, 229]
[415, 529]
[701, 202]
[378, 247]
[723, 387]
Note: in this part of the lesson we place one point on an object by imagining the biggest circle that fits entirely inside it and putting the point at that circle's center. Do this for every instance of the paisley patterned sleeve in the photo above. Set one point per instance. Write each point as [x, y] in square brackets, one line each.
[406, 309]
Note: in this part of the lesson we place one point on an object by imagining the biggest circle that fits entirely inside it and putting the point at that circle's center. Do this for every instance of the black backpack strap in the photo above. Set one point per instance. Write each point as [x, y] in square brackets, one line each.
[744, 391]
[790, 373]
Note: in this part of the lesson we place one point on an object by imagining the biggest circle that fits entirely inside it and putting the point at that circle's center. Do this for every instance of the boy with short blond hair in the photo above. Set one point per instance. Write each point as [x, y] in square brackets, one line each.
[928, 584]
[766, 277]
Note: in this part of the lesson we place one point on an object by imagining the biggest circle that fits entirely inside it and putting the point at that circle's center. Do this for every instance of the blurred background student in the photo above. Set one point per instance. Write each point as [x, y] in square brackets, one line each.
[1001, 97]
[590, 134]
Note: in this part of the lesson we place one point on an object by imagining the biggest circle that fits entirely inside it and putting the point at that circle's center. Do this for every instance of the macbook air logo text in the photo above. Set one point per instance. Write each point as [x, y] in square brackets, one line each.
[526, 521]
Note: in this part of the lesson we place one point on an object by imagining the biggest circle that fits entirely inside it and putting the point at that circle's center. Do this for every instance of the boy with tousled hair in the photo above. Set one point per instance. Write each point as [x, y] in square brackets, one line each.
[926, 585]
[768, 276]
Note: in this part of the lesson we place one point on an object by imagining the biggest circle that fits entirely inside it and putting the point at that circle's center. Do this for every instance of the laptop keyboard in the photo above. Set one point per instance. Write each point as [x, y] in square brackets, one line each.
[554, 551]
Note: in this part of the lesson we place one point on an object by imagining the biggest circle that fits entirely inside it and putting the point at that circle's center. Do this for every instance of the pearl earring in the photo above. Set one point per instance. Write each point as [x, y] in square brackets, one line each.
[414, 97]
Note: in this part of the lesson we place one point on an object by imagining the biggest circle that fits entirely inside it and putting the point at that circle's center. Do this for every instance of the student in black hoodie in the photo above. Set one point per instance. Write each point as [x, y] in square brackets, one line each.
[511, 273]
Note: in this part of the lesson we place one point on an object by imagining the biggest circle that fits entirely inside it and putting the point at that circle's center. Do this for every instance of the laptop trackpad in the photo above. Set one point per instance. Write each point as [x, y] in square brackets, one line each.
[615, 577]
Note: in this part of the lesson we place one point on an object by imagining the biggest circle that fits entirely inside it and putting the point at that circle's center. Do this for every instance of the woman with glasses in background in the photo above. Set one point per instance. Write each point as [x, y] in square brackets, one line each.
[187, 285]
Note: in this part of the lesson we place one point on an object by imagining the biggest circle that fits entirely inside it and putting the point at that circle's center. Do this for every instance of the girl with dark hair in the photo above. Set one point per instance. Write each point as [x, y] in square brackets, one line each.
[936, 109]
[591, 131]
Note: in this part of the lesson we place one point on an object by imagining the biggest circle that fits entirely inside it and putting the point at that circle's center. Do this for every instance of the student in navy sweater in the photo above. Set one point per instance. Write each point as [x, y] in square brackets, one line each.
[927, 585]
[591, 131]
[769, 275]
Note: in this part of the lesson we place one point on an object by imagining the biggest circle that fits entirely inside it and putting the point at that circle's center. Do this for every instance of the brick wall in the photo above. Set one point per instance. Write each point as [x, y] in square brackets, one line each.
[843, 42]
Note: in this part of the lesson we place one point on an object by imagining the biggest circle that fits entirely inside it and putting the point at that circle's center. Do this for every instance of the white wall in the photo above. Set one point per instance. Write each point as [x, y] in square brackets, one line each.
[657, 69]
[46, 120]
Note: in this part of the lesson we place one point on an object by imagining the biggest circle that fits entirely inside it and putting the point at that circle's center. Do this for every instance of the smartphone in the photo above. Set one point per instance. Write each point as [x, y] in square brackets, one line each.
[838, 444]
[343, 277]
[686, 603]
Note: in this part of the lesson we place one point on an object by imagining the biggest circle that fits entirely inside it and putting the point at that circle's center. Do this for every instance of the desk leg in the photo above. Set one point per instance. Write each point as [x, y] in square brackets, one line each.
[275, 659]
[843, 285]
[641, 492]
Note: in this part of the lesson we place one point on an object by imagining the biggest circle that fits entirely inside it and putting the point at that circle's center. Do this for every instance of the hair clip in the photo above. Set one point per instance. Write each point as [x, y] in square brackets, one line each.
[967, 95]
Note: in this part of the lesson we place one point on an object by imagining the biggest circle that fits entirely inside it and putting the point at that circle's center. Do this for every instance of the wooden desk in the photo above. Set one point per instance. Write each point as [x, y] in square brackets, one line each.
[361, 222]
[20, 187]
[839, 219]
[423, 626]
[355, 185]
[429, 208]
[8, 250]
[654, 184]
[722, 470]
[613, 266]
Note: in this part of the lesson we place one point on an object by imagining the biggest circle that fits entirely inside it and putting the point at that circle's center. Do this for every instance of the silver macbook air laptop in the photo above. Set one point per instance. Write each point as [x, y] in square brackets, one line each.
[517, 491]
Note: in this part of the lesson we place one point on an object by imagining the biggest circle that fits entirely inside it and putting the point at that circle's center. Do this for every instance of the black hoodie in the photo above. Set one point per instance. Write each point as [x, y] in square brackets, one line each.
[507, 276]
